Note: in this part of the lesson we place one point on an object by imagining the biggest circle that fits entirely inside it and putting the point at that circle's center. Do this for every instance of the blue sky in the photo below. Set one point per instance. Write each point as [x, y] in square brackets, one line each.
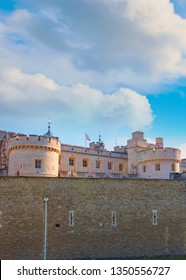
[96, 65]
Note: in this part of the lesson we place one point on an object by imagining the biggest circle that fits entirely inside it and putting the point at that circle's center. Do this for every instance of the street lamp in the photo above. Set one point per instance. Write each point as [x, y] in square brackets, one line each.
[45, 227]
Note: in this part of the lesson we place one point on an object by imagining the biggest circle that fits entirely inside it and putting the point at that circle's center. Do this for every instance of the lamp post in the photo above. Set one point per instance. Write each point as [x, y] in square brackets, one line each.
[45, 227]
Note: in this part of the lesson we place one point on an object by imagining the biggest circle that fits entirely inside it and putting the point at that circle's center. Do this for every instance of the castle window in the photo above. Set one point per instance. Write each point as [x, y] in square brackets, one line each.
[113, 218]
[109, 165]
[173, 168]
[157, 167]
[71, 161]
[85, 162]
[120, 167]
[144, 168]
[71, 218]
[154, 217]
[38, 163]
[98, 164]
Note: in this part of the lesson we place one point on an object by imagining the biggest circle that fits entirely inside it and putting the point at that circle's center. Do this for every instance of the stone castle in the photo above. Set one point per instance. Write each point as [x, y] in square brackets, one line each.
[45, 156]
[100, 204]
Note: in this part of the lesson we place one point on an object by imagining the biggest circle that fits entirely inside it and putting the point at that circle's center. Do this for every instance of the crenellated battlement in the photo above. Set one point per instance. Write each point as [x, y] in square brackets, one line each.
[119, 152]
[154, 153]
[34, 141]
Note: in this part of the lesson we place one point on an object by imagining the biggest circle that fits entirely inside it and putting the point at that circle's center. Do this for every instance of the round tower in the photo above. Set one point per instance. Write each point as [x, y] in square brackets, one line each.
[33, 155]
[158, 162]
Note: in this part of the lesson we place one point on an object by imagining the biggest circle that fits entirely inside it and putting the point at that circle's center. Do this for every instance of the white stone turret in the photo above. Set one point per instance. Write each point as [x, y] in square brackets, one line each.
[151, 160]
[158, 162]
[137, 142]
[33, 155]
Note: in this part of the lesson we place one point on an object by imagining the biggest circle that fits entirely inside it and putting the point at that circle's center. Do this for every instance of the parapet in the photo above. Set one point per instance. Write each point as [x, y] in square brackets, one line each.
[97, 146]
[159, 142]
[137, 140]
[164, 154]
[34, 141]
[138, 135]
[120, 149]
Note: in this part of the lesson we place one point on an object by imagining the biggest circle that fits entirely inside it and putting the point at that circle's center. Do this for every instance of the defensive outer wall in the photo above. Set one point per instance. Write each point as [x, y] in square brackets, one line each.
[90, 232]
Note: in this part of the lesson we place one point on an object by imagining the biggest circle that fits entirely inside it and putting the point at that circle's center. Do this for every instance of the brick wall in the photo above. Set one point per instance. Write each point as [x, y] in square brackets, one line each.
[92, 202]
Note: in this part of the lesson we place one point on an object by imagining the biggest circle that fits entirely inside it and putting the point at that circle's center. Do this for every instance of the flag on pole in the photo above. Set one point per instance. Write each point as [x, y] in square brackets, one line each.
[87, 137]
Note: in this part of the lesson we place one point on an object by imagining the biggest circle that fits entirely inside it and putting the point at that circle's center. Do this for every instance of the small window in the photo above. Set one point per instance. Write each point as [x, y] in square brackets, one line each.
[154, 217]
[71, 161]
[120, 167]
[173, 167]
[144, 168]
[38, 163]
[85, 163]
[109, 165]
[71, 218]
[97, 164]
[157, 167]
[113, 218]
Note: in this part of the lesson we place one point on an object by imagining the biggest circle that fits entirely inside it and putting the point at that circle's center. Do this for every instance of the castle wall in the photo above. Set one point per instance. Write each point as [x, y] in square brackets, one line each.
[3, 152]
[23, 152]
[80, 218]
[152, 172]
[80, 154]
[159, 153]
[183, 166]
[168, 160]
[151, 160]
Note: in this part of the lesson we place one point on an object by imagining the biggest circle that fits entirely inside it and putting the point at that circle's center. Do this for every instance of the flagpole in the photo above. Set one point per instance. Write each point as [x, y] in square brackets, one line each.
[86, 138]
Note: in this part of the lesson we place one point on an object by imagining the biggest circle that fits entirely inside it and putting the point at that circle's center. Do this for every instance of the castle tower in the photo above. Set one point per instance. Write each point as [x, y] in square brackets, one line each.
[157, 161]
[34, 155]
[159, 142]
[99, 146]
[133, 145]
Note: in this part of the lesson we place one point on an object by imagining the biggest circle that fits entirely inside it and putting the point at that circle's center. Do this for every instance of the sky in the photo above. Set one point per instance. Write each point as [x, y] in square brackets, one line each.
[109, 66]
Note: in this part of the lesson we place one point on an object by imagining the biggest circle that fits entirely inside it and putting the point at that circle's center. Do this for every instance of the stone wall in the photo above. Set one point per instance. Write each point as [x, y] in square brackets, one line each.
[78, 154]
[23, 151]
[165, 157]
[165, 168]
[92, 218]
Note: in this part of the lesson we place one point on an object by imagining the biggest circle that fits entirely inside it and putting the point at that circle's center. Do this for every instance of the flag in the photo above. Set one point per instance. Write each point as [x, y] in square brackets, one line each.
[87, 137]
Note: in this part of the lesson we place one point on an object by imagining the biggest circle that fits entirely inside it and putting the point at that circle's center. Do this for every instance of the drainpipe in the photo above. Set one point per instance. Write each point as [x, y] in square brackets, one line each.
[45, 227]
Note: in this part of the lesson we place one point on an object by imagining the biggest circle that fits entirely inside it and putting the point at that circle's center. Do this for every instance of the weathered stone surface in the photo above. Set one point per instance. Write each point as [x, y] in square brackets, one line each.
[93, 201]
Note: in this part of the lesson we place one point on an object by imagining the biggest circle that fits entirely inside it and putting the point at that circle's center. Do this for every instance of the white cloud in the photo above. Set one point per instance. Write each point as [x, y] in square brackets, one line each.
[70, 55]
[81, 104]
[139, 35]
[16, 86]
[17, 78]
[104, 42]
